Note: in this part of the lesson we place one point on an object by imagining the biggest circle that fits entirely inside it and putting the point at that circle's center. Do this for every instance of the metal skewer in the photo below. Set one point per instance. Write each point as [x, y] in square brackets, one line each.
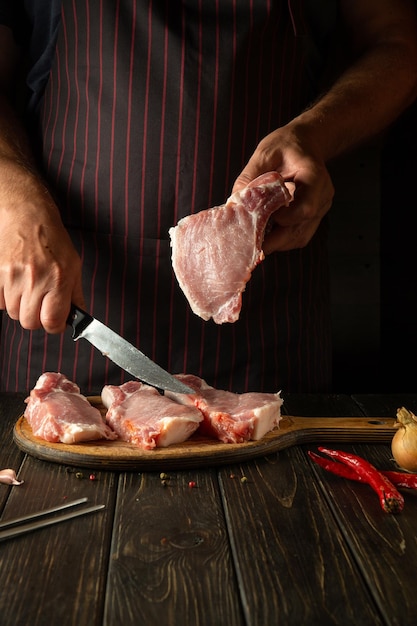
[25, 524]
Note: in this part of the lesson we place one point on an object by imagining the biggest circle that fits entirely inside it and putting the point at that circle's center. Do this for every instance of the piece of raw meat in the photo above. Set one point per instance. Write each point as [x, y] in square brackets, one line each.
[215, 251]
[57, 412]
[231, 417]
[142, 416]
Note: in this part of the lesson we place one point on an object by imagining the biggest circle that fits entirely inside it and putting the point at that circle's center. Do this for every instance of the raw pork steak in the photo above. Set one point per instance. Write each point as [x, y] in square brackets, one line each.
[141, 416]
[215, 251]
[56, 411]
[231, 417]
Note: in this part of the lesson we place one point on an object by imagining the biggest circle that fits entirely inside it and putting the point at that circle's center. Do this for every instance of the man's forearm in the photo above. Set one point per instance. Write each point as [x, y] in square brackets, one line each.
[369, 95]
[362, 103]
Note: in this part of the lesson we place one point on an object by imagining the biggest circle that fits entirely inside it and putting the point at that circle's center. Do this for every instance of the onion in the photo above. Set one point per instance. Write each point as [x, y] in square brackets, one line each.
[404, 442]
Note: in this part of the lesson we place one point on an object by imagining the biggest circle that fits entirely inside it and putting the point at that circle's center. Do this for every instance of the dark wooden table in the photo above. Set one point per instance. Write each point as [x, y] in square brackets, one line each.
[290, 545]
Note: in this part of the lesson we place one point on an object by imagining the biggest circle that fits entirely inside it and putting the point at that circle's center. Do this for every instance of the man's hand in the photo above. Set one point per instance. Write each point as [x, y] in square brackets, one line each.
[40, 270]
[294, 156]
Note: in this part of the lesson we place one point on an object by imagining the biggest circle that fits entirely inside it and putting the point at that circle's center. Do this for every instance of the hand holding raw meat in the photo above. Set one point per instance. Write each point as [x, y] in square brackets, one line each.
[215, 251]
[291, 152]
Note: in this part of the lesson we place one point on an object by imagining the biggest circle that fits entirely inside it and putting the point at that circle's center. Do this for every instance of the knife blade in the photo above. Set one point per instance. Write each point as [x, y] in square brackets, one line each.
[122, 352]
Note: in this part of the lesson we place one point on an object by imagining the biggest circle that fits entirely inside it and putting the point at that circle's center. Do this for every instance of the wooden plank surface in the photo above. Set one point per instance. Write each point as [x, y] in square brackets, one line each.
[171, 562]
[54, 576]
[293, 564]
[279, 521]
[383, 545]
[169, 556]
[289, 545]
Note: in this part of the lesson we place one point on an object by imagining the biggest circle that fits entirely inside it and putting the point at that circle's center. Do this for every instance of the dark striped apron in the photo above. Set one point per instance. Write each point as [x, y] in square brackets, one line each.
[150, 112]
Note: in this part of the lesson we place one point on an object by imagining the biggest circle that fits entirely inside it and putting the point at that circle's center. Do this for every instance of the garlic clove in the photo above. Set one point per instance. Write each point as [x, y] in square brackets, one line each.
[8, 477]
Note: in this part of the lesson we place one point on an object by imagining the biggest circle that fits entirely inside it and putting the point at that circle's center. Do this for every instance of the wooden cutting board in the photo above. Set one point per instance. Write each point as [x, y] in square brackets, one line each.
[203, 452]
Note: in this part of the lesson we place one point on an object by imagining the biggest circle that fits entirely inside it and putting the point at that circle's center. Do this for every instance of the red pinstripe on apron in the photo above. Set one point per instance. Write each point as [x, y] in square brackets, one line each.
[151, 111]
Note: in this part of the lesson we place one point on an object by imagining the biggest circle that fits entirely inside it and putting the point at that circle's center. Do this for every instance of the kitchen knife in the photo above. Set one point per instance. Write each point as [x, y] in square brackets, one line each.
[122, 352]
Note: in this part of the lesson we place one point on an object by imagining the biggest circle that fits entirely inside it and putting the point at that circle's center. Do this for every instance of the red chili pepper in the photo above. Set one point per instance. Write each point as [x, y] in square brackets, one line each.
[399, 479]
[336, 468]
[390, 498]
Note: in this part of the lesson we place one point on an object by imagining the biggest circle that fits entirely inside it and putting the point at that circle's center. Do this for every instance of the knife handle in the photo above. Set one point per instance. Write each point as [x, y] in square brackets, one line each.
[78, 320]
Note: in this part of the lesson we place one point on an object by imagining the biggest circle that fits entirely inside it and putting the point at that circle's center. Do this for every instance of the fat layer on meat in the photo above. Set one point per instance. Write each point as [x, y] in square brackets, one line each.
[215, 251]
[142, 416]
[57, 412]
[231, 417]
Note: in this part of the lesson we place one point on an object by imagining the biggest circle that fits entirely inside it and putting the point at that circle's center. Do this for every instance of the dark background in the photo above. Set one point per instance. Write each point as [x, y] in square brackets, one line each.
[373, 257]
